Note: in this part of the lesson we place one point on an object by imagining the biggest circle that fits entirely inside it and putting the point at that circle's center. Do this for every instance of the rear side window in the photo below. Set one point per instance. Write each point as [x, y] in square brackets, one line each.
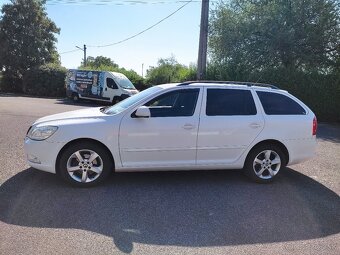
[227, 102]
[277, 104]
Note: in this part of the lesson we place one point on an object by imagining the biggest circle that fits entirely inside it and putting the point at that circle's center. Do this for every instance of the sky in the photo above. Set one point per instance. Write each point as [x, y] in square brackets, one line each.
[102, 22]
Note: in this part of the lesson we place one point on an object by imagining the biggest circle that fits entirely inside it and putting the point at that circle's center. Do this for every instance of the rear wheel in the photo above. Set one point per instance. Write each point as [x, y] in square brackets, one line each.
[264, 163]
[85, 164]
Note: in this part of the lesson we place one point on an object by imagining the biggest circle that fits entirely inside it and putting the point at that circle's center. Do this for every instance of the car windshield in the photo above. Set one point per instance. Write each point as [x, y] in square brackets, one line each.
[124, 82]
[121, 106]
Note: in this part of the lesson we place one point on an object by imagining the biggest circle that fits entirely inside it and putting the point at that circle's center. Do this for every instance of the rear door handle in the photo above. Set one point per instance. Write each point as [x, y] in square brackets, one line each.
[254, 125]
[188, 126]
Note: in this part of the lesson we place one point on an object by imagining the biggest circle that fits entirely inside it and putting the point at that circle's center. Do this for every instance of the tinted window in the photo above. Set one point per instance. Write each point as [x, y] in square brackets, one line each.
[225, 102]
[111, 83]
[277, 104]
[174, 103]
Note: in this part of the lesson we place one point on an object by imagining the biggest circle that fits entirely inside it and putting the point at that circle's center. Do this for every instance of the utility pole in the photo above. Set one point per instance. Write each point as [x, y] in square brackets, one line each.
[202, 49]
[84, 49]
[143, 70]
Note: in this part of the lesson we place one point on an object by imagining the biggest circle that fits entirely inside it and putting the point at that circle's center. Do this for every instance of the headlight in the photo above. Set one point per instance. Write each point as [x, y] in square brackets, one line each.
[41, 133]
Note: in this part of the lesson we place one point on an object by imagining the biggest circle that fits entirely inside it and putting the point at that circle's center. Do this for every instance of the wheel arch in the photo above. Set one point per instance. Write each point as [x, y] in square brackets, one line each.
[78, 141]
[275, 142]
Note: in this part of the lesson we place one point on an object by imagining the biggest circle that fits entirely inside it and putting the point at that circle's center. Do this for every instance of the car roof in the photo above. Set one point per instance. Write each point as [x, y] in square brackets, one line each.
[231, 84]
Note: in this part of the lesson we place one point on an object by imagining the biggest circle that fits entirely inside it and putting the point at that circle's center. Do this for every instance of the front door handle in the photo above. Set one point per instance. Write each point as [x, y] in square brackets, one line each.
[188, 126]
[254, 125]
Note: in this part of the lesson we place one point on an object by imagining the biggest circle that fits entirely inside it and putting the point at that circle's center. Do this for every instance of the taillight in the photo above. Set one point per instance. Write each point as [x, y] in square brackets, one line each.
[315, 126]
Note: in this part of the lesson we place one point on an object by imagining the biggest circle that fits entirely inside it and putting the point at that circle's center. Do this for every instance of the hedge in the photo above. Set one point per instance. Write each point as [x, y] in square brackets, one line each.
[47, 80]
[320, 92]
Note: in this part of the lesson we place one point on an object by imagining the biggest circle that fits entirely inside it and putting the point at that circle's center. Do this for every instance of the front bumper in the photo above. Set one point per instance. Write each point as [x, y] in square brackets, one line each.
[42, 155]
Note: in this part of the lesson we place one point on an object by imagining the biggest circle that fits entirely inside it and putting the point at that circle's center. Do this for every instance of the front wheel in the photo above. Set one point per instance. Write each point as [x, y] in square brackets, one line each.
[85, 164]
[264, 163]
[116, 100]
[75, 97]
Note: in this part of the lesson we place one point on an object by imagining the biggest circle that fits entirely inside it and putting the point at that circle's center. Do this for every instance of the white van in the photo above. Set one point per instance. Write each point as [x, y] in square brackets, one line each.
[98, 85]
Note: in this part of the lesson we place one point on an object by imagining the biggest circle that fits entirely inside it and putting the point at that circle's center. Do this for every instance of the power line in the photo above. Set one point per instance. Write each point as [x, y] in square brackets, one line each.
[113, 2]
[70, 51]
[135, 35]
[129, 38]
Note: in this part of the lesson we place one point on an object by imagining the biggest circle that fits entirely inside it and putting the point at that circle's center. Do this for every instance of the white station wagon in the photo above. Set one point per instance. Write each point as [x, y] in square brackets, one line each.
[183, 126]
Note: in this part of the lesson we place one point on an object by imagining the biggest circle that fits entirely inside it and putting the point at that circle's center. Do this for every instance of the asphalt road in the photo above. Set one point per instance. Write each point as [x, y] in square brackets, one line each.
[198, 212]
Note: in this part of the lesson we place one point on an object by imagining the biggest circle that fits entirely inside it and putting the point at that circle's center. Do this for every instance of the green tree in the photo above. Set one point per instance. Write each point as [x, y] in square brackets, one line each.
[27, 38]
[98, 61]
[169, 70]
[249, 36]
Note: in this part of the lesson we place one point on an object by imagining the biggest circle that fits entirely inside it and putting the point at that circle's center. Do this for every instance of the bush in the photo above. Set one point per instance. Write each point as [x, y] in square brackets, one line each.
[47, 80]
[10, 83]
[320, 92]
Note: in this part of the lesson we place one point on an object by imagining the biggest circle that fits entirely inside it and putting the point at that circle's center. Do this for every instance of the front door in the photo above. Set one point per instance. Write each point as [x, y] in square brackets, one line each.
[166, 139]
[111, 88]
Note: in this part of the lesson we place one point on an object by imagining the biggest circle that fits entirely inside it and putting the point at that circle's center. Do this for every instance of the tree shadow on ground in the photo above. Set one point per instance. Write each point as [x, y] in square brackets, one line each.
[195, 209]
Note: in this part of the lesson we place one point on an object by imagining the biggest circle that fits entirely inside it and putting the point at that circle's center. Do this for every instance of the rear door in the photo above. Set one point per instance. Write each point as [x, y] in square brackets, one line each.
[229, 123]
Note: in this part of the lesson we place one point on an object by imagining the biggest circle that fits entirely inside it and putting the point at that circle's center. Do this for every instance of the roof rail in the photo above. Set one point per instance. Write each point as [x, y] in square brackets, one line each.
[249, 84]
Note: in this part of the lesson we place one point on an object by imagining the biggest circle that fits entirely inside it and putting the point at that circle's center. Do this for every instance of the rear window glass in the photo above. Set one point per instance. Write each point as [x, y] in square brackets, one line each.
[226, 102]
[277, 104]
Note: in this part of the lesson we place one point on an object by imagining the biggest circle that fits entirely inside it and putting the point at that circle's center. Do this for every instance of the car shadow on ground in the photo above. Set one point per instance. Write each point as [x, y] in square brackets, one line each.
[195, 209]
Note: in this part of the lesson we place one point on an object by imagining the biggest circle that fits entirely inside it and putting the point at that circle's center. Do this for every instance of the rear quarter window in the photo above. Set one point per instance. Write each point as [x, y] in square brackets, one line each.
[278, 104]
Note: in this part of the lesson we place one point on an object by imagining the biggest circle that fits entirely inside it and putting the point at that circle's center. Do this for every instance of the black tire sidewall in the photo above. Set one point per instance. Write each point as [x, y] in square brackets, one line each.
[100, 150]
[75, 97]
[116, 100]
[248, 166]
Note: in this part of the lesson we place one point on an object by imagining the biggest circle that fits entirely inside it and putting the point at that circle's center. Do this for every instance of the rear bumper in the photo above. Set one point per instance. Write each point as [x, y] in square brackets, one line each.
[301, 150]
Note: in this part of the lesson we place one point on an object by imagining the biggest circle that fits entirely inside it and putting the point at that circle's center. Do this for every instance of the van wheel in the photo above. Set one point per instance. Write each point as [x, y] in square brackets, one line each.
[264, 163]
[85, 164]
[75, 97]
[116, 100]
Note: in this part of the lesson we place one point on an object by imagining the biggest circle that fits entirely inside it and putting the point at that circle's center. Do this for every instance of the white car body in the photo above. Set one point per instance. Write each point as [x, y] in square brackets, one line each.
[177, 143]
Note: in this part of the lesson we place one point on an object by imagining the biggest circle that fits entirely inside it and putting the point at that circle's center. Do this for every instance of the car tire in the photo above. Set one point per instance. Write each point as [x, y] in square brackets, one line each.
[116, 100]
[85, 164]
[264, 163]
[75, 97]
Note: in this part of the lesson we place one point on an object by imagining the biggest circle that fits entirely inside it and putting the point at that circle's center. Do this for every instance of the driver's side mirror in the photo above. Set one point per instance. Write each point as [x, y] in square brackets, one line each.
[142, 112]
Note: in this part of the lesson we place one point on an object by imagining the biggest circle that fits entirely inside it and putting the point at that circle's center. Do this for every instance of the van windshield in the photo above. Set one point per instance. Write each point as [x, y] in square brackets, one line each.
[121, 106]
[125, 83]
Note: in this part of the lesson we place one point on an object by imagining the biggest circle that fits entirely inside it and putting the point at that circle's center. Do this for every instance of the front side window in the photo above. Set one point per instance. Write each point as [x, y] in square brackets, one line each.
[278, 104]
[111, 83]
[174, 104]
[230, 102]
